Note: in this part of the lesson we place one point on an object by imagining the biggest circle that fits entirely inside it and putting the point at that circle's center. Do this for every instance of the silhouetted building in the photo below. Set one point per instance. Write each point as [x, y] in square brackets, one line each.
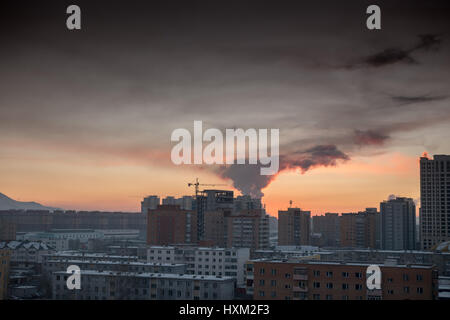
[150, 202]
[398, 224]
[434, 200]
[168, 224]
[247, 229]
[360, 230]
[293, 227]
[328, 226]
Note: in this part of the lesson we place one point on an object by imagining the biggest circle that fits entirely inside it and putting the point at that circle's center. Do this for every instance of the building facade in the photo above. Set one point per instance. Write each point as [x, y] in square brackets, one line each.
[169, 224]
[278, 280]
[434, 200]
[110, 285]
[214, 261]
[398, 224]
[294, 227]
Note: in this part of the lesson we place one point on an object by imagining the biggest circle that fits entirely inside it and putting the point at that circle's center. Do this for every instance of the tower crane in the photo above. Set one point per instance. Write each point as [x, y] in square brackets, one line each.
[196, 184]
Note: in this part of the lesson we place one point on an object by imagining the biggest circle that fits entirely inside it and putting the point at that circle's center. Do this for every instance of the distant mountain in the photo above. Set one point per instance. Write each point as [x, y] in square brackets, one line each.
[6, 203]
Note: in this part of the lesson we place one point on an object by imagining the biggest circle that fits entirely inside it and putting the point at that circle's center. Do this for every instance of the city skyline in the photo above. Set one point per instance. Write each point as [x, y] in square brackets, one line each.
[86, 116]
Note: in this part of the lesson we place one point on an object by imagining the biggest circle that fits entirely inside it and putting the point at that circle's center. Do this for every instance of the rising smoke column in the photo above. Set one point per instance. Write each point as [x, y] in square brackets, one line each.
[247, 178]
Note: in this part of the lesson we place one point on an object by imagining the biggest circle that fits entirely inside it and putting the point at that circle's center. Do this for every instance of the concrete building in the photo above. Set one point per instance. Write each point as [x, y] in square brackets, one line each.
[434, 200]
[169, 224]
[294, 227]
[360, 230]
[291, 280]
[43, 220]
[63, 239]
[214, 261]
[54, 265]
[110, 285]
[211, 200]
[246, 202]
[328, 226]
[444, 288]
[7, 230]
[398, 224]
[4, 272]
[149, 203]
[27, 253]
[441, 260]
[248, 229]
[215, 228]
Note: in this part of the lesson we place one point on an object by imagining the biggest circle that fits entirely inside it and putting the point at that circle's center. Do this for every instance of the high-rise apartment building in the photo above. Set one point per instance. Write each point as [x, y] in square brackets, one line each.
[211, 201]
[398, 224]
[293, 227]
[247, 229]
[169, 224]
[360, 230]
[434, 200]
[150, 202]
[328, 226]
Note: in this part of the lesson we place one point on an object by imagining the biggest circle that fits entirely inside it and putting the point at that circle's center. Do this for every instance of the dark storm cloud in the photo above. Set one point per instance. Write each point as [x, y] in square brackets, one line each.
[405, 100]
[370, 137]
[390, 56]
[139, 69]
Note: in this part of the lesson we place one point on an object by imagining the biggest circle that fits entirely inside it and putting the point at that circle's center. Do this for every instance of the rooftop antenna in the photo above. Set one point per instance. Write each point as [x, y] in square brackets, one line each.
[290, 203]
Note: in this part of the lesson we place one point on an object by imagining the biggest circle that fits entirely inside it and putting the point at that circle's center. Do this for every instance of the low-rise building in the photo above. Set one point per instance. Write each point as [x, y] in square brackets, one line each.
[64, 239]
[110, 285]
[213, 261]
[55, 265]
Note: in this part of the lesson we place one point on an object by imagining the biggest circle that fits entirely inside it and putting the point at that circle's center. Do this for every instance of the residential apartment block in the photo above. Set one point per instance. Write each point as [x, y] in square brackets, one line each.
[280, 280]
[214, 261]
[111, 285]
[434, 200]
[294, 227]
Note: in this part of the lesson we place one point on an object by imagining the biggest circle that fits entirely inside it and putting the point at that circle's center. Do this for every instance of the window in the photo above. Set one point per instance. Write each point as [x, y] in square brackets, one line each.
[274, 272]
[316, 296]
[261, 271]
[406, 289]
[358, 275]
[273, 283]
[316, 284]
[344, 286]
[419, 290]
[358, 286]
[329, 274]
[261, 293]
[261, 282]
[316, 273]
[419, 277]
[329, 285]
[345, 274]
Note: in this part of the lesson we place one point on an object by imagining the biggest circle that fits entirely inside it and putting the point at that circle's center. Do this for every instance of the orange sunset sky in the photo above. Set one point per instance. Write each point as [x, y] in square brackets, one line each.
[86, 115]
